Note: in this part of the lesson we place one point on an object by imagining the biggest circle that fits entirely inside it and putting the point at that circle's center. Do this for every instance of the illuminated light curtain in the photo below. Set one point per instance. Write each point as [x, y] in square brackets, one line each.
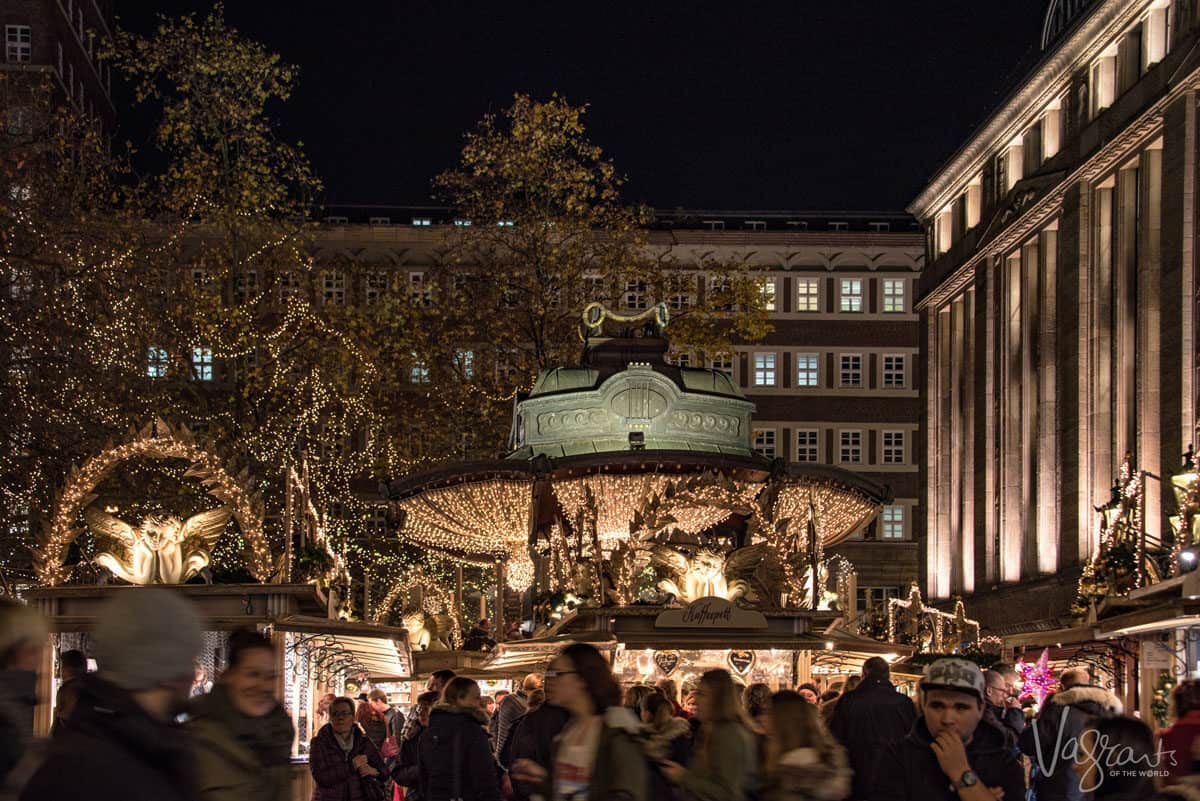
[839, 510]
[618, 496]
[479, 518]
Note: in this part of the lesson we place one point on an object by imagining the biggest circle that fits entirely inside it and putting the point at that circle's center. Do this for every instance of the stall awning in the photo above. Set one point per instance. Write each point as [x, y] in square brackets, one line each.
[378, 651]
[519, 657]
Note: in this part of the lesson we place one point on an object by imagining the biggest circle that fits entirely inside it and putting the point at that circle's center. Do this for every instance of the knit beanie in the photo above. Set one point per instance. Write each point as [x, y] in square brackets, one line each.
[147, 637]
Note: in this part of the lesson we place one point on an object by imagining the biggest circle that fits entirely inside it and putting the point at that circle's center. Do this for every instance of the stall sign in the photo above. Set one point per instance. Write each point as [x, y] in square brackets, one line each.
[741, 661]
[711, 613]
[667, 661]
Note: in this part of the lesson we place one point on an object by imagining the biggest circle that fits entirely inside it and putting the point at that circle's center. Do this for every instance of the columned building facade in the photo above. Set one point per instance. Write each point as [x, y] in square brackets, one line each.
[1059, 307]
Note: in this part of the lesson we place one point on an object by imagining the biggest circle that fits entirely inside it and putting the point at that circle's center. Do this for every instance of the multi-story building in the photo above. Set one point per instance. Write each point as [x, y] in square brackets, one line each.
[1059, 307]
[836, 382]
[62, 39]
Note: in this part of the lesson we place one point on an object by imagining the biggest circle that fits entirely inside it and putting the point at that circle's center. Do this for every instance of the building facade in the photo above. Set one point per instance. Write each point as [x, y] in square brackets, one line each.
[1058, 309]
[836, 382]
[62, 39]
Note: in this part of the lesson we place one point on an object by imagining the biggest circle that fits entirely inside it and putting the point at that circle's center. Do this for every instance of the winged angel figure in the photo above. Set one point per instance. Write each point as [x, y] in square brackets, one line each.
[162, 550]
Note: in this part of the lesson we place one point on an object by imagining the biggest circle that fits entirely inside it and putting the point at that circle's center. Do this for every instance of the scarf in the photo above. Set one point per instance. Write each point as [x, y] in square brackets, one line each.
[269, 737]
[346, 743]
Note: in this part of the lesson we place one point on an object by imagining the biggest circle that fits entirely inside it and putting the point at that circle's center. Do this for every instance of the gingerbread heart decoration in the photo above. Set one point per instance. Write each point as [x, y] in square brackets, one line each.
[741, 661]
[667, 661]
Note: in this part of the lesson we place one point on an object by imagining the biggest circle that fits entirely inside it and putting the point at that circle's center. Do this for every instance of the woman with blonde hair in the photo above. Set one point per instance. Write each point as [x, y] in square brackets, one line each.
[803, 761]
[723, 761]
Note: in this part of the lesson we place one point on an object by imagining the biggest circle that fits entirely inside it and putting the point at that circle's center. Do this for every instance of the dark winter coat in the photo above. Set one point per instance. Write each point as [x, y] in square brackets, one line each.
[334, 777]
[455, 757]
[866, 721]
[114, 751]
[673, 742]
[533, 738]
[909, 770]
[1063, 718]
[17, 700]
[406, 771]
[1010, 718]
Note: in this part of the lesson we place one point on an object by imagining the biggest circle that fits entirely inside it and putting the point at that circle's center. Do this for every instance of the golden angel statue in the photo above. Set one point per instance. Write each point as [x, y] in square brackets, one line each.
[701, 576]
[162, 550]
[428, 632]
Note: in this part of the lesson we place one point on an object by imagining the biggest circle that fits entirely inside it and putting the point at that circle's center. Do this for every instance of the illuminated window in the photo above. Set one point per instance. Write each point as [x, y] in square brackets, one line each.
[808, 294]
[892, 523]
[764, 369]
[19, 43]
[766, 290]
[894, 291]
[202, 363]
[419, 372]
[464, 360]
[764, 442]
[422, 221]
[852, 295]
[807, 371]
[851, 447]
[1104, 81]
[881, 227]
[462, 223]
[850, 374]
[894, 373]
[807, 448]
[893, 447]
[334, 288]
[157, 362]
[379, 221]
[506, 224]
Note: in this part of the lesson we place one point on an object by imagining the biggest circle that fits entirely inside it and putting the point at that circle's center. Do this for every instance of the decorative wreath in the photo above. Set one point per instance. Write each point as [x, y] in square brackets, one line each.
[157, 440]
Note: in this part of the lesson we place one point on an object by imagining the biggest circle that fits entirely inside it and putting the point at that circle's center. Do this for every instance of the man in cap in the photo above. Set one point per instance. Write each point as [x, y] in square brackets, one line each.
[120, 743]
[951, 752]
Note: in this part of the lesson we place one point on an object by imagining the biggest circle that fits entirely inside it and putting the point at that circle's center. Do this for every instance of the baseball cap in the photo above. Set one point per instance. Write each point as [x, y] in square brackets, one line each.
[959, 675]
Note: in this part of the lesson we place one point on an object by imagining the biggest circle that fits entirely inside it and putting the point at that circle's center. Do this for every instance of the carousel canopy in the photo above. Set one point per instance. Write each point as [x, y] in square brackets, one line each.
[627, 448]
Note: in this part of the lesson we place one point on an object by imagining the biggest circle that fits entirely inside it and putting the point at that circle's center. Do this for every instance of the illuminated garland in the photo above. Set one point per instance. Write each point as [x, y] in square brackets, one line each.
[157, 441]
[435, 600]
[470, 519]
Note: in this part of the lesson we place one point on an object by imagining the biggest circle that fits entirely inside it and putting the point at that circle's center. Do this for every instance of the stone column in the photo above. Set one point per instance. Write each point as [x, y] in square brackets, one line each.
[1148, 364]
[1049, 493]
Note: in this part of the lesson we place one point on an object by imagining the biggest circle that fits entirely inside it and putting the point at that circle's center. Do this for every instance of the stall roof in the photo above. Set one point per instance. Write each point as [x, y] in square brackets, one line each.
[376, 650]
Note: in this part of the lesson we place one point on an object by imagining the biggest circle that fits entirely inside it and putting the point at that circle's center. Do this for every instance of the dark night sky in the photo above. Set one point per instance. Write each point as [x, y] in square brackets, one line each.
[843, 104]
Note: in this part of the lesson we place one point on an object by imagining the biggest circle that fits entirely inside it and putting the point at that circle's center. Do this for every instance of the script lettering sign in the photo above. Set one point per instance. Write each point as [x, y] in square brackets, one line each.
[710, 613]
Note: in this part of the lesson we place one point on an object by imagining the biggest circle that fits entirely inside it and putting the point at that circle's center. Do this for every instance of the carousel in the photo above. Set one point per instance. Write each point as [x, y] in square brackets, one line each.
[632, 513]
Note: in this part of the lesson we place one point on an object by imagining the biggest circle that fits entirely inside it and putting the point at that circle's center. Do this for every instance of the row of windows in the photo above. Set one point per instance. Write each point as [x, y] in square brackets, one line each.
[807, 294]
[850, 445]
[158, 362]
[766, 368]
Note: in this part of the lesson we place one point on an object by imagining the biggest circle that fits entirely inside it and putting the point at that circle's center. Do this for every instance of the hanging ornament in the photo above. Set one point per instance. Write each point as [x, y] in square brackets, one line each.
[741, 661]
[666, 661]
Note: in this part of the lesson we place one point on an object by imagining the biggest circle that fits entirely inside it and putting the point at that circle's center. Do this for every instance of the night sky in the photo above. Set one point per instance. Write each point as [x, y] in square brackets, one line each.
[843, 104]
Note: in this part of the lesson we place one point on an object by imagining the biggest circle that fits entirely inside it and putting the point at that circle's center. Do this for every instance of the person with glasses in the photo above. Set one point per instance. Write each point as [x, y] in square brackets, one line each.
[596, 757]
[342, 757]
[1002, 703]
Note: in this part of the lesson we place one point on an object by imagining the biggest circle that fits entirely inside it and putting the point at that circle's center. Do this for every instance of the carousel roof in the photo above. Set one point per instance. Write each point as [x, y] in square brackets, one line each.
[623, 430]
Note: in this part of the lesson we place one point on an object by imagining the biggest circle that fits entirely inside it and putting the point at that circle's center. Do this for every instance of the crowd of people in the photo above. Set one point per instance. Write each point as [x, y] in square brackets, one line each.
[134, 730]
